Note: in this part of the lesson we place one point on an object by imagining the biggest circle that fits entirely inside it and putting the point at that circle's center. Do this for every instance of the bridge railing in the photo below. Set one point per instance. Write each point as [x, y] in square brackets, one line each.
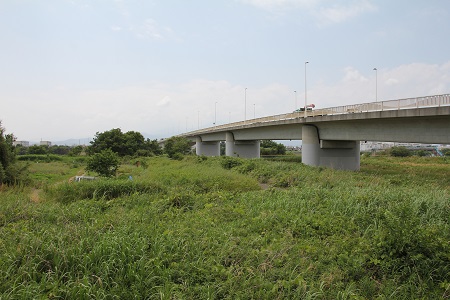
[408, 103]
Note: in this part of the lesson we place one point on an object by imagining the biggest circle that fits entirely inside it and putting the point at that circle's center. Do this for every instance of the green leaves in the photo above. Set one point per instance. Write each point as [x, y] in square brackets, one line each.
[104, 163]
[190, 230]
[175, 147]
[129, 143]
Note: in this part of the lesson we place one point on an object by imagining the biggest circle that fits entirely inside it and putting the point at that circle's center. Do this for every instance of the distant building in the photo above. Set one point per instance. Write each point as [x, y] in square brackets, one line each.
[22, 143]
[374, 146]
[45, 143]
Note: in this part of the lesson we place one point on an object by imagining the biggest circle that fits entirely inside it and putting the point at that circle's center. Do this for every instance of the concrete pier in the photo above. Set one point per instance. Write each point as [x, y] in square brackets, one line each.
[246, 148]
[207, 148]
[340, 155]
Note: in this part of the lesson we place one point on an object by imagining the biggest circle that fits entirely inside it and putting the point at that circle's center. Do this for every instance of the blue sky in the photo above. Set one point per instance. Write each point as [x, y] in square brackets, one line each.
[71, 68]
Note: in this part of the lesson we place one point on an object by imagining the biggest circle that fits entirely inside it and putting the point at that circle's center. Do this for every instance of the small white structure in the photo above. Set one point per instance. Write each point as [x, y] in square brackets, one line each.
[21, 143]
[45, 143]
[80, 178]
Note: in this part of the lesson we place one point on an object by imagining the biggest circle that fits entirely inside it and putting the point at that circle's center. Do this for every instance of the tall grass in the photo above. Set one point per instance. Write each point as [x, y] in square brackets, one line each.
[192, 229]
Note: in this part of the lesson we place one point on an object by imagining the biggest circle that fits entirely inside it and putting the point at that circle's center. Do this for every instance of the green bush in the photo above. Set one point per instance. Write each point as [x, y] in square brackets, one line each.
[446, 151]
[105, 163]
[102, 189]
[11, 172]
[400, 151]
[175, 147]
[229, 162]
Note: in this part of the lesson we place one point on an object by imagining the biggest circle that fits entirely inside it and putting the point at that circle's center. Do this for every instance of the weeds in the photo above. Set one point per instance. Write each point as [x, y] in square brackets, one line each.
[193, 229]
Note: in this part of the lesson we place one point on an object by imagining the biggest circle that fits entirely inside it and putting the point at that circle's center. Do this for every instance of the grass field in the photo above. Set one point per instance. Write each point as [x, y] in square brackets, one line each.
[223, 228]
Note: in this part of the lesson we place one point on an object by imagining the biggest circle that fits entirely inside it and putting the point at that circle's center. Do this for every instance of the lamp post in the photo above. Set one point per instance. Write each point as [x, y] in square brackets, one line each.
[245, 105]
[215, 113]
[376, 84]
[306, 94]
[198, 119]
[295, 93]
[254, 111]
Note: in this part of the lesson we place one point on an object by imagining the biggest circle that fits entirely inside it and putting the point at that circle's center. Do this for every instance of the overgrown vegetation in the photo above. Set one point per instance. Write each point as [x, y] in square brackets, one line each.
[10, 171]
[105, 163]
[230, 228]
[175, 147]
[130, 143]
[269, 147]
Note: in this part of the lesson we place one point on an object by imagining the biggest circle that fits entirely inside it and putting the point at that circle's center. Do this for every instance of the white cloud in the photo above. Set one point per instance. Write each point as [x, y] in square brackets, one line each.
[352, 74]
[164, 102]
[404, 81]
[392, 81]
[275, 5]
[324, 11]
[150, 29]
[164, 109]
[341, 13]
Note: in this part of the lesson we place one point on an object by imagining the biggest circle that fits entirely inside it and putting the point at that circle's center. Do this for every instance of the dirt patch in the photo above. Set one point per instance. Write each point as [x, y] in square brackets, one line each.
[34, 196]
[264, 186]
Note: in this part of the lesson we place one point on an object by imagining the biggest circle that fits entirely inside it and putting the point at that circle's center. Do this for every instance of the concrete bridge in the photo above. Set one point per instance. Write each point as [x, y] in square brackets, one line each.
[331, 136]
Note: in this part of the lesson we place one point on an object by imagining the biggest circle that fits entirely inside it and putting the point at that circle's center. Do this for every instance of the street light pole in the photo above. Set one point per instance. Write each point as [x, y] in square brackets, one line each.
[306, 101]
[215, 113]
[254, 111]
[376, 84]
[295, 92]
[245, 105]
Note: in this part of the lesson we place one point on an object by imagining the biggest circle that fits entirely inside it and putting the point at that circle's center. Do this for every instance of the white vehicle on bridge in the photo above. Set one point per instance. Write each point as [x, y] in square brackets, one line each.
[309, 107]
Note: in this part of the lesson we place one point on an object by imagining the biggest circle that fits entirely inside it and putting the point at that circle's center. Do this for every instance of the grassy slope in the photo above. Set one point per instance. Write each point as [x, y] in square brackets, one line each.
[193, 230]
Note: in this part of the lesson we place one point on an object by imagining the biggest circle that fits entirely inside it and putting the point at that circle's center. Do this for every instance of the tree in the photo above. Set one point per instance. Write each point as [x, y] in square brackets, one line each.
[10, 172]
[105, 163]
[269, 147]
[176, 146]
[133, 141]
[153, 146]
[129, 143]
[37, 149]
[76, 150]
[112, 139]
[59, 149]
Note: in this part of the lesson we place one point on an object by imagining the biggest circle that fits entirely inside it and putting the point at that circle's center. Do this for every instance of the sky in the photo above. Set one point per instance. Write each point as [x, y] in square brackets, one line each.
[72, 68]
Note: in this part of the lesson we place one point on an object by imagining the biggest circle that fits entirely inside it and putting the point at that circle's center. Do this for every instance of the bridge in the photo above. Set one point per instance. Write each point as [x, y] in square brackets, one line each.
[331, 136]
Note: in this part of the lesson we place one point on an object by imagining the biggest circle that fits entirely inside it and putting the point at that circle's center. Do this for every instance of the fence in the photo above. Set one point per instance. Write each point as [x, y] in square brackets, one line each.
[408, 103]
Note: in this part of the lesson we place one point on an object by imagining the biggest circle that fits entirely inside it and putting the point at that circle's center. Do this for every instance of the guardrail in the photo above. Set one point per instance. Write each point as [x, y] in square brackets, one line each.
[408, 103]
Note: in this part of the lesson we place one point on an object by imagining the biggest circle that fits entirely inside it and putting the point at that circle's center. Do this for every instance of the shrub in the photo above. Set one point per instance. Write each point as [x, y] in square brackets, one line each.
[229, 162]
[446, 152]
[400, 151]
[104, 163]
[176, 146]
[10, 171]
[422, 153]
[102, 189]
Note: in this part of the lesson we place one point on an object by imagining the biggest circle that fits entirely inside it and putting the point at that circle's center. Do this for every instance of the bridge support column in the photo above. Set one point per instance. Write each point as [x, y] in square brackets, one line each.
[340, 155]
[207, 148]
[247, 149]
